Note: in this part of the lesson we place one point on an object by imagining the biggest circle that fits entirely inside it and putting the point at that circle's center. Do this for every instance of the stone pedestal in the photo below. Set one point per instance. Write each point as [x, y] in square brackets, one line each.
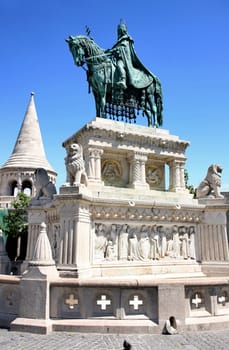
[131, 250]
[34, 306]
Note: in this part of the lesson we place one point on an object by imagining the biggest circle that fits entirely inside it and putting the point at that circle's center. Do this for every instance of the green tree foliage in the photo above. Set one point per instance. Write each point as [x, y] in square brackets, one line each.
[189, 187]
[15, 222]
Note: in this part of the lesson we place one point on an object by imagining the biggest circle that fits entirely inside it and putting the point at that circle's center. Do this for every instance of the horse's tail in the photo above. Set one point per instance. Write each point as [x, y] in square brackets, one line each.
[158, 102]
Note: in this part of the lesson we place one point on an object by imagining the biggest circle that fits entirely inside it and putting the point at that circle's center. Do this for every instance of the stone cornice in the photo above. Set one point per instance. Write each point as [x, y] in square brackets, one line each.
[107, 133]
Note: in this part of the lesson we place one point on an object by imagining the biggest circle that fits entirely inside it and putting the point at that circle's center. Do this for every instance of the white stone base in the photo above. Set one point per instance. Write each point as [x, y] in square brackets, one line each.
[31, 325]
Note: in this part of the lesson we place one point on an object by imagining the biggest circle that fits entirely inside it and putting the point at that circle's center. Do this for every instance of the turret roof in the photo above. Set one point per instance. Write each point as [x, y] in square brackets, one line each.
[29, 149]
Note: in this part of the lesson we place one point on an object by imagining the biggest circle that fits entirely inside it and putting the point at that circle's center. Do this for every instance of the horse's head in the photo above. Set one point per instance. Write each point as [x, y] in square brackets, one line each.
[76, 49]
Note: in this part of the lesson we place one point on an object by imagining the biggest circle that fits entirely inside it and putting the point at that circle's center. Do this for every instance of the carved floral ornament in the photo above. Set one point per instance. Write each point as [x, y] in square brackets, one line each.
[131, 212]
[153, 175]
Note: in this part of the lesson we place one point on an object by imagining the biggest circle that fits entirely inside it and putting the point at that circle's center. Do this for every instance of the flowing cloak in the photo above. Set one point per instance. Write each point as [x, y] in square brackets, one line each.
[138, 76]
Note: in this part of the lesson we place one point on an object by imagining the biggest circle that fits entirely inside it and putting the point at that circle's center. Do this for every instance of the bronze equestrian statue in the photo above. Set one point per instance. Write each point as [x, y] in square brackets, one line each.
[121, 84]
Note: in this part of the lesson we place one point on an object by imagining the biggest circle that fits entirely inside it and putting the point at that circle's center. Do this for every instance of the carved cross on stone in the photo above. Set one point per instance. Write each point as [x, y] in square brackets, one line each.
[136, 302]
[197, 300]
[103, 302]
[222, 300]
[71, 301]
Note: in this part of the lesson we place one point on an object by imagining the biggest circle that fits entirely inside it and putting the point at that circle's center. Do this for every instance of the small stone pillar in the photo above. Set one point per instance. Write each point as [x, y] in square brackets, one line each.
[137, 178]
[171, 304]
[176, 177]
[34, 307]
[94, 164]
[5, 263]
[36, 215]
[75, 237]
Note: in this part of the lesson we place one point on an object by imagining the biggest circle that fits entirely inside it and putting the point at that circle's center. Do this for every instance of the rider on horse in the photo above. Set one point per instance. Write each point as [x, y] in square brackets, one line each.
[129, 70]
[120, 82]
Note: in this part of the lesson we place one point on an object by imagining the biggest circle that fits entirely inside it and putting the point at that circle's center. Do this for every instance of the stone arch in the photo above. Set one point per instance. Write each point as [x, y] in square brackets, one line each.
[27, 187]
[12, 188]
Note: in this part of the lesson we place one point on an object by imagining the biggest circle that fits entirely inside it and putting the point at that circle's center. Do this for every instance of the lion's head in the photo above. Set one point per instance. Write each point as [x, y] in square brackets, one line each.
[214, 169]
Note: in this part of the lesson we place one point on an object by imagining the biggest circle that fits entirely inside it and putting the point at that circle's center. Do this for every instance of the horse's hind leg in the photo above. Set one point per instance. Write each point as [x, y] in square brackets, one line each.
[152, 109]
[103, 90]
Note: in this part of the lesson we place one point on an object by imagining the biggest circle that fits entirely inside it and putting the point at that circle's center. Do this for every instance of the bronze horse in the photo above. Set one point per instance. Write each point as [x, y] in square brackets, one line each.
[101, 76]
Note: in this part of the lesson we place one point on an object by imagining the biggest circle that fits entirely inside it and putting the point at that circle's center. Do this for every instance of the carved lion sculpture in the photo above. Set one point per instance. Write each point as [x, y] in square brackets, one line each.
[75, 169]
[210, 186]
[44, 187]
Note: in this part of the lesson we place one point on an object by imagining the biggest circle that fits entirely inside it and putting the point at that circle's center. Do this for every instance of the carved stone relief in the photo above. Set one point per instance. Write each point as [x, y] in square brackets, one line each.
[154, 176]
[111, 172]
[143, 243]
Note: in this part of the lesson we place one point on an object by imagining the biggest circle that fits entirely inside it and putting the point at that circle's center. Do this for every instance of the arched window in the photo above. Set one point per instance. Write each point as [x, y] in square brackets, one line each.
[27, 187]
[13, 188]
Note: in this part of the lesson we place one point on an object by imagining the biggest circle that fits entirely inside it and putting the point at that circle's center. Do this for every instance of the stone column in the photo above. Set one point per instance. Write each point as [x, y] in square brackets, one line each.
[176, 176]
[90, 163]
[137, 176]
[19, 183]
[36, 216]
[94, 164]
[182, 180]
[74, 248]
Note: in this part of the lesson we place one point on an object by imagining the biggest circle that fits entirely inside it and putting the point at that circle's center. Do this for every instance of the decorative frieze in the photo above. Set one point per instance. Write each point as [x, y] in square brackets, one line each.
[125, 242]
[133, 213]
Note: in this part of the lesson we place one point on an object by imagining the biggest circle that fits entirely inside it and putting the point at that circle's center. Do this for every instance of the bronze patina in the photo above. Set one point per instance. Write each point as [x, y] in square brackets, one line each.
[121, 84]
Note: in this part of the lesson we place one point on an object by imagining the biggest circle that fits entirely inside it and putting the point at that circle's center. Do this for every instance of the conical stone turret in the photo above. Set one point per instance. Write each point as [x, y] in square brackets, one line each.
[28, 154]
[29, 150]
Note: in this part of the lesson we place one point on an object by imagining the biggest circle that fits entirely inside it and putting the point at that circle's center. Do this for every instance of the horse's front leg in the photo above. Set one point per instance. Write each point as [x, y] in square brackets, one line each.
[103, 107]
[99, 89]
[149, 116]
[97, 102]
[103, 90]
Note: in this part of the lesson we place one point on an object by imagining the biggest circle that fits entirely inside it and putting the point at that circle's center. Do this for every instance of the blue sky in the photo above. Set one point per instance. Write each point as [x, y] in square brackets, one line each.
[184, 43]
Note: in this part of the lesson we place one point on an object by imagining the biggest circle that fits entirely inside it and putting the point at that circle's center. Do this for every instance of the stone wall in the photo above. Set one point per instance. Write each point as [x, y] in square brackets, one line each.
[9, 299]
[105, 305]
